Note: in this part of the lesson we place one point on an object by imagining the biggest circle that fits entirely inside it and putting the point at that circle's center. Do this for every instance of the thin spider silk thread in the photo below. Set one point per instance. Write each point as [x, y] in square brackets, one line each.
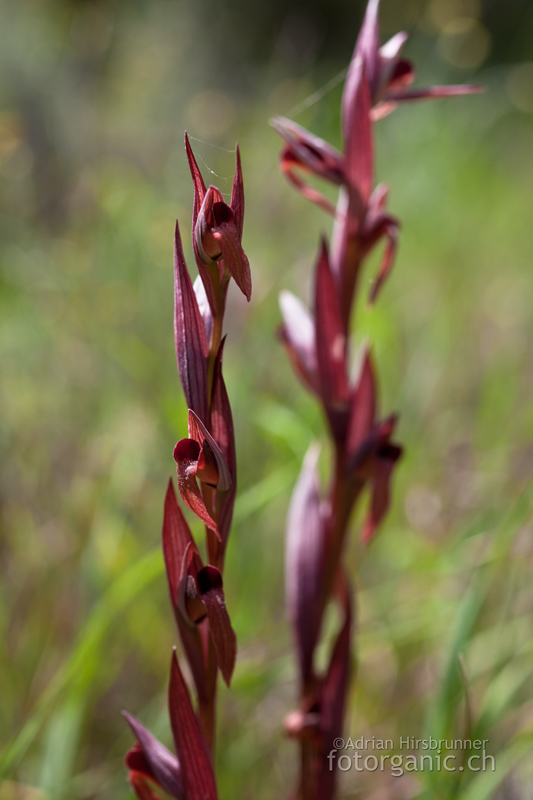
[226, 180]
[304, 104]
[318, 94]
[210, 144]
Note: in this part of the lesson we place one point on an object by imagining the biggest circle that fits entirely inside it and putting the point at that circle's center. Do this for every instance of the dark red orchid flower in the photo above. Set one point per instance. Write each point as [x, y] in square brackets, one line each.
[201, 603]
[200, 458]
[189, 776]
[388, 74]
[371, 454]
[197, 596]
[150, 759]
[308, 153]
[376, 82]
[140, 787]
[318, 720]
[217, 234]
[379, 224]
[353, 239]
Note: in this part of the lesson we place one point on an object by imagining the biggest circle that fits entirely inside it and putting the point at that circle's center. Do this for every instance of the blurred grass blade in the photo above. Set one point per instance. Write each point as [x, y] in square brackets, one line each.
[263, 492]
[61, 745]
[485, 784]
[82, 662]
[468, 610]
[441, 713]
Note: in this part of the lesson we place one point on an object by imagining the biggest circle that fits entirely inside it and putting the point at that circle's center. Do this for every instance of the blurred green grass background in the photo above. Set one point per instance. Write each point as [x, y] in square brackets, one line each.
[94, 98]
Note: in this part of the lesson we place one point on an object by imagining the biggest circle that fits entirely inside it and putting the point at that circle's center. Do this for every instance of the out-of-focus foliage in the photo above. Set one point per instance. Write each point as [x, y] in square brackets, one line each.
[94, 98]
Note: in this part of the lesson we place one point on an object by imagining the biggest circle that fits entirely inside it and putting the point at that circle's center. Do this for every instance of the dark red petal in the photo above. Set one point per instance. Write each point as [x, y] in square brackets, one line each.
[136, 761]
[198, 431]
[377, 218]
[141, 788]
[309, 152]
[223, 433]
[433, 92]
[189, 334]
[363, 406]
[365, 53]
[380, 490]
[194, 650]
[288, 162]
[221, 418]
[298, 335]
[385, 429]
[186, 455]
[206, 268]
[237, 194]
[163, 766]
[207, 248]
[391, 231]
[304, 561]
[376, 206]
[362, 460]
[382, 110]
[176, 537]
[193, 754]
[235, 259]
[187, 451]
[330, 338]
[402, 75]
[189, 632]
[198, 181]
[222, 634]
[199, 195]
[206, 468]
[359, 146]
[217, 236]
[187, 582]
[378, 221]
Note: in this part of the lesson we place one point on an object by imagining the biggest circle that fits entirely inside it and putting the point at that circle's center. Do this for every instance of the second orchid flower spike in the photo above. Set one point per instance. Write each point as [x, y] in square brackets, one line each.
[318, 344]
